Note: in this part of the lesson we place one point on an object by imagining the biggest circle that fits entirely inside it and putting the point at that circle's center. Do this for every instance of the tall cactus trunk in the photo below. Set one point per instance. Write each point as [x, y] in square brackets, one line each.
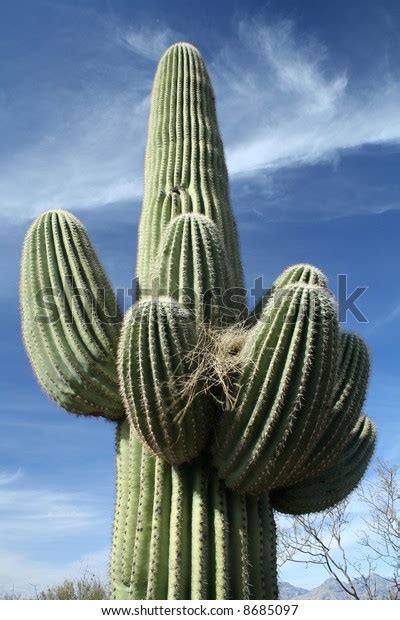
[179, 533]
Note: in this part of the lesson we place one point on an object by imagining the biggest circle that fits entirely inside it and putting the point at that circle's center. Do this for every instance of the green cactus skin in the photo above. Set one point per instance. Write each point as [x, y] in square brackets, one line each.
[198, 478]
[73, 353]
[347, 400]
[181, 534]
[191, 267]
[283, 392]
[154, 363]
[296, 274]
[301, 274]
[331, 485]
[185, 169]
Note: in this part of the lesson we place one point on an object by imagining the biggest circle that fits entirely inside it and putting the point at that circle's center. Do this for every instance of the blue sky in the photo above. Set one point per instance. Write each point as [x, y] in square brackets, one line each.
[308, 103]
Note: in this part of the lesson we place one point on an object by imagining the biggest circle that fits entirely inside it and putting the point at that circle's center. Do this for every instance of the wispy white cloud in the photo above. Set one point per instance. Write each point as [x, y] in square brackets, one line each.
[391, 314]
[44, 512]
[280, 102]
[91, 152]
[94, 158]
[10, 477]
[148, 42]
[31, 513]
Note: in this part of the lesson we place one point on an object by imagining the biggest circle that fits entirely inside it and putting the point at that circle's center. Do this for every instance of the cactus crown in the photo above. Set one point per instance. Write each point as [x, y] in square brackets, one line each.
[219, 419]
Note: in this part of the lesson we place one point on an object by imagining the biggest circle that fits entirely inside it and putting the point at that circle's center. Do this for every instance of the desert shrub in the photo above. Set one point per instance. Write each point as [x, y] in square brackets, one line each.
[86, 588]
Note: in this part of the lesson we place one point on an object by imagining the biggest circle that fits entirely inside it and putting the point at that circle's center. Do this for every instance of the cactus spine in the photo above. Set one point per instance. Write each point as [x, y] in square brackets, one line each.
[198, 475]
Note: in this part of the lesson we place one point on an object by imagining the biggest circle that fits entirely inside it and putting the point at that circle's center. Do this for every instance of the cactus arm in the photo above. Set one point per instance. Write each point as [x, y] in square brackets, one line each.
[296, 274]
[73, 352]
[301, 274]
[156, 343]
[281, 406]
[316, 458]
[341, 456]
[191, 268]
[332, 485]
[346, 404]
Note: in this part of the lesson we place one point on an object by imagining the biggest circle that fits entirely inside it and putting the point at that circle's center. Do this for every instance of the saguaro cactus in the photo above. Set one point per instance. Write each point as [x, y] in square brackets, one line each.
[221, 417]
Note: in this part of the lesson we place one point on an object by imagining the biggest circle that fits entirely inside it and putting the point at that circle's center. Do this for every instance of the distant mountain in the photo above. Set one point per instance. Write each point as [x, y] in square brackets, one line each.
[287, 591]
[330, 590]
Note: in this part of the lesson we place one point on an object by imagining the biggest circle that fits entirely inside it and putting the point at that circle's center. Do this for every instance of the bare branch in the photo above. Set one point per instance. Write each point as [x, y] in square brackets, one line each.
[318, 539]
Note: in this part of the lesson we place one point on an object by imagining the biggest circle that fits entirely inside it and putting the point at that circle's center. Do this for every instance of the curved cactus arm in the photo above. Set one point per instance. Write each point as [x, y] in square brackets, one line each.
[72, 344]
[155, 363]
[347, 401]
[191, 267]
[283, 395]
[333, 484]
[185, 169]
[301, 273]
[179, 533]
